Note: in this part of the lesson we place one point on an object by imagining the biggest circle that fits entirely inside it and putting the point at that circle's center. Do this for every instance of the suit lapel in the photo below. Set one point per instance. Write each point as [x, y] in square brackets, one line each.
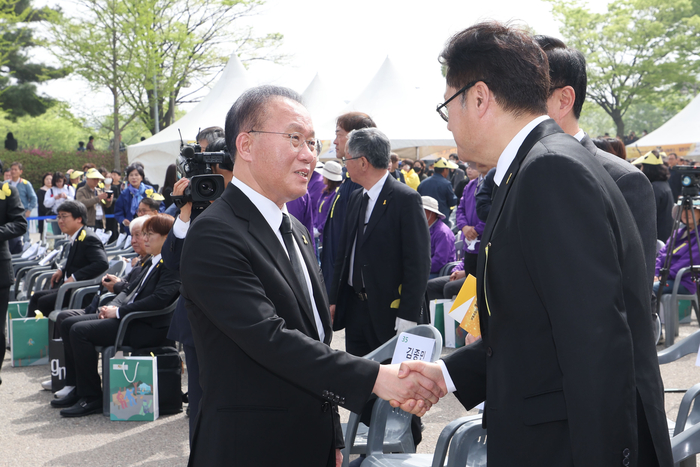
[73, 249]
[379, 207]
[261, 231]
[545, 128]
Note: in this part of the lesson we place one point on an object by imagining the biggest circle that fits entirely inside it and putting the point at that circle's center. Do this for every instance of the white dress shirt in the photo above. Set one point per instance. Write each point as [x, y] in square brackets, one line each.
[509, 153]
[273, 216]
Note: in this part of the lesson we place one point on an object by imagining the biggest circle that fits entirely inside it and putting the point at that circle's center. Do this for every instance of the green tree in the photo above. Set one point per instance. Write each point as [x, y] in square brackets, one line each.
[639, 51]
[18, 73]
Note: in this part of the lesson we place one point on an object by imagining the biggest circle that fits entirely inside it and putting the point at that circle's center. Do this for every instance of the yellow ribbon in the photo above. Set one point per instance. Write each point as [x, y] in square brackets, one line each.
[5, 192]
[82, 236]
[154, 196]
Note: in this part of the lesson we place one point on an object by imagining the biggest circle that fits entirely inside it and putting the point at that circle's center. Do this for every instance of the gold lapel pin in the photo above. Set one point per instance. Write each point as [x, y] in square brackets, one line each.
[384, 202]
[510, 175]
[304, 238]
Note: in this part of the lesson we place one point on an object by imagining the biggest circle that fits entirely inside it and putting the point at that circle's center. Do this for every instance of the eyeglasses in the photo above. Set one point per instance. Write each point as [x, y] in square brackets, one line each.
[64, 216]
[442, 108]
[295, 139]
[141, 212]
[345, 159]
[148, 234]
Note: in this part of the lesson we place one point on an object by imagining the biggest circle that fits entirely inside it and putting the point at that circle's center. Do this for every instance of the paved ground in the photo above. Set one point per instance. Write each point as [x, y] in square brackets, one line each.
[33, 434]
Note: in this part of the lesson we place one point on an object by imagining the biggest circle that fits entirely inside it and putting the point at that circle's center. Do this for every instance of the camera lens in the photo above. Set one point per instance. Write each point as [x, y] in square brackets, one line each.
[206, 188]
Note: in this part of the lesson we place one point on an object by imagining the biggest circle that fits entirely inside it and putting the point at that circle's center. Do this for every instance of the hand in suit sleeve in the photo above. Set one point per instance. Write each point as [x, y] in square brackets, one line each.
[15, 224]
[573, 259]
[97, 262]
[415, 251]
[165, 292]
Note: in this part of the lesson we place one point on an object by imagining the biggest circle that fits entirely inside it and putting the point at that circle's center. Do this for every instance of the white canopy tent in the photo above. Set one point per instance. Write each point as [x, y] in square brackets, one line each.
[323, 107]
[407, 116]
[160, 150]
[681, 134]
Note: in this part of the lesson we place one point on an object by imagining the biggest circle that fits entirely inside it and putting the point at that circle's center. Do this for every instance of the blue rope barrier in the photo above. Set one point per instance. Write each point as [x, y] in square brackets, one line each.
[41, 218]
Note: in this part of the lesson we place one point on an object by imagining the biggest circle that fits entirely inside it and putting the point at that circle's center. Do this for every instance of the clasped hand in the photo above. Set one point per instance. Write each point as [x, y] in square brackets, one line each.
[108, 312]
[414, 386]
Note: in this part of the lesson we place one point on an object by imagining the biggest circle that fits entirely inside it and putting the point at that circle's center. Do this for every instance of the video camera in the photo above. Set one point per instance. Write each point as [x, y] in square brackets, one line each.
[196, 166]
[690, 180]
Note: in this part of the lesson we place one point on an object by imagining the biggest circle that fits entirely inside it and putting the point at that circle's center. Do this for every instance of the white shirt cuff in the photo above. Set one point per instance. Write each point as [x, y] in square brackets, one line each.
[73, 277]
[180, 228]
[446, 376]
[119, 317]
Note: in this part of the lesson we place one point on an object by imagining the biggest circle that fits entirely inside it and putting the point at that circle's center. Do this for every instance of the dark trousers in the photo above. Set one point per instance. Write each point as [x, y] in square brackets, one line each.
[62, 316]
[86, 332]
[194, 390]
[4, 300]
[360, 338]
[45, 301]
[442, 287]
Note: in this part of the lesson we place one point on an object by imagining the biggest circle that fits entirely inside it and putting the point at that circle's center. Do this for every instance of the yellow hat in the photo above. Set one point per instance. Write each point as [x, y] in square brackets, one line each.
[75, 174]
[94, 173]
[649, 158]
[443, 163]
[153, 195]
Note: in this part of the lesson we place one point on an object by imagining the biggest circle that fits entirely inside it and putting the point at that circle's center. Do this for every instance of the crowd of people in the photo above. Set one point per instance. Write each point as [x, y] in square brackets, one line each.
[559, 229]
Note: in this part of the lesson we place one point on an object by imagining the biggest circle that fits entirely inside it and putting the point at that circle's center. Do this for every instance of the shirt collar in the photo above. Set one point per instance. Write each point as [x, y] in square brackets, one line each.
[269, 210]
[579, 136]
[75, 235]
[509, 153]
[376, 188]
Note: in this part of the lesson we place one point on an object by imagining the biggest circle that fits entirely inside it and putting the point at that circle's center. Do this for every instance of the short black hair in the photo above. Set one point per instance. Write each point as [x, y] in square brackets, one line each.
[75, 208]
[152, 204]
[210, 134]
[137, 167]
[507, 59]
[219, 144]
[248, 112]
[567, 67]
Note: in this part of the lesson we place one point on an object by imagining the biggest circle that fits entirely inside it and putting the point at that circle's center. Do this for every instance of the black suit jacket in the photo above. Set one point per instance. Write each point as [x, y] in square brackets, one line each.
[395, 257]
[161, 288]
[567, 352]
[268, 383]
[87, 258]
[12, 225]
[639, 195]
[180, 329]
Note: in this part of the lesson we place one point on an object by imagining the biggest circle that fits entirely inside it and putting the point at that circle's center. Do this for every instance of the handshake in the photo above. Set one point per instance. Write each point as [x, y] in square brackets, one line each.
[413, 386]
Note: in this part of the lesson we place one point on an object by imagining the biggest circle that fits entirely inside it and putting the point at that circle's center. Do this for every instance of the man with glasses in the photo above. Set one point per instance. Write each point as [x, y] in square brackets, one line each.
[335, 221]
[87, 259]
[258, 308]
[561, 270]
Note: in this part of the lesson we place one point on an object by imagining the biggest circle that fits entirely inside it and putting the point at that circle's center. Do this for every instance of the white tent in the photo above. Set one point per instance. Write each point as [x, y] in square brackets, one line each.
[681, 134]
[160, 150]
[407, 116]
[323, 107]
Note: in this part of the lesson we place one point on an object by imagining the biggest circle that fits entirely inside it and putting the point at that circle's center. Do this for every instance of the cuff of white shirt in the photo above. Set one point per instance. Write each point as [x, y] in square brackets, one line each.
[119, 317]
[446, 376]
[72, 276]
[180, 228]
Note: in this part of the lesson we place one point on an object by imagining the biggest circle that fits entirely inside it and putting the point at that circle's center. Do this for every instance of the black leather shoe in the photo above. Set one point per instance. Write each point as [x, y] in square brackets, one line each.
[84, 407]
[69, 400]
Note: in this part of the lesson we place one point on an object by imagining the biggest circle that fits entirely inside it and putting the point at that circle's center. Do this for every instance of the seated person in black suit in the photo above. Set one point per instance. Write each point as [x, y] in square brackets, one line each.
[86, 260]
[156, 288]
[111, 283]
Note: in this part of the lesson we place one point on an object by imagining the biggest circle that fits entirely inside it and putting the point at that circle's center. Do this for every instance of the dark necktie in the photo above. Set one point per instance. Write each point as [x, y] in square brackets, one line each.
[357, 283]
[286, 229]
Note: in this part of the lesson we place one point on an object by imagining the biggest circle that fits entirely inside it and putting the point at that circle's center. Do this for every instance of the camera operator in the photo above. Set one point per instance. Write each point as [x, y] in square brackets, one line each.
[180, 329]
[207, 136]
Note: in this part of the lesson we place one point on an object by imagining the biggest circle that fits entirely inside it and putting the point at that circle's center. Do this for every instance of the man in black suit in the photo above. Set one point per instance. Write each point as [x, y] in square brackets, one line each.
[563, 296]
[258, 309]
[86, 259]
[383, 262]
[156, 288]
[567, 73]
[12, 225]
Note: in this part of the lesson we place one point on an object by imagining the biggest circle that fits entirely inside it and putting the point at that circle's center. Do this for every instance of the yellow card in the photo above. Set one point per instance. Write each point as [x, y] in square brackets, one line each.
[464, 309]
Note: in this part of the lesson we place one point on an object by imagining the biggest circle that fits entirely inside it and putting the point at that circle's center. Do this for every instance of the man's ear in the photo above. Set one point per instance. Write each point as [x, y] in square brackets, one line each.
[566, 100]
[244, 141]
[482, 97]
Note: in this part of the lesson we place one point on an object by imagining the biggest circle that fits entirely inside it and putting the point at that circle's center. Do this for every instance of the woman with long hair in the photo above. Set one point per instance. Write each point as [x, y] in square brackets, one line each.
[168, 184]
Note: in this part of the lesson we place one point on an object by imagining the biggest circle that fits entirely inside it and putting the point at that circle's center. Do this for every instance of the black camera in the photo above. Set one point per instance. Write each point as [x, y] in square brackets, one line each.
[690, 180]
[196, 166]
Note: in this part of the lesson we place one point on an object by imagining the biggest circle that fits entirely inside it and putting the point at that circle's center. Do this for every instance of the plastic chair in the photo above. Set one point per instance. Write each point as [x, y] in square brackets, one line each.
[464, 430]
[670, 303]
[447, 269]
[111, 351]
[398, 436]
